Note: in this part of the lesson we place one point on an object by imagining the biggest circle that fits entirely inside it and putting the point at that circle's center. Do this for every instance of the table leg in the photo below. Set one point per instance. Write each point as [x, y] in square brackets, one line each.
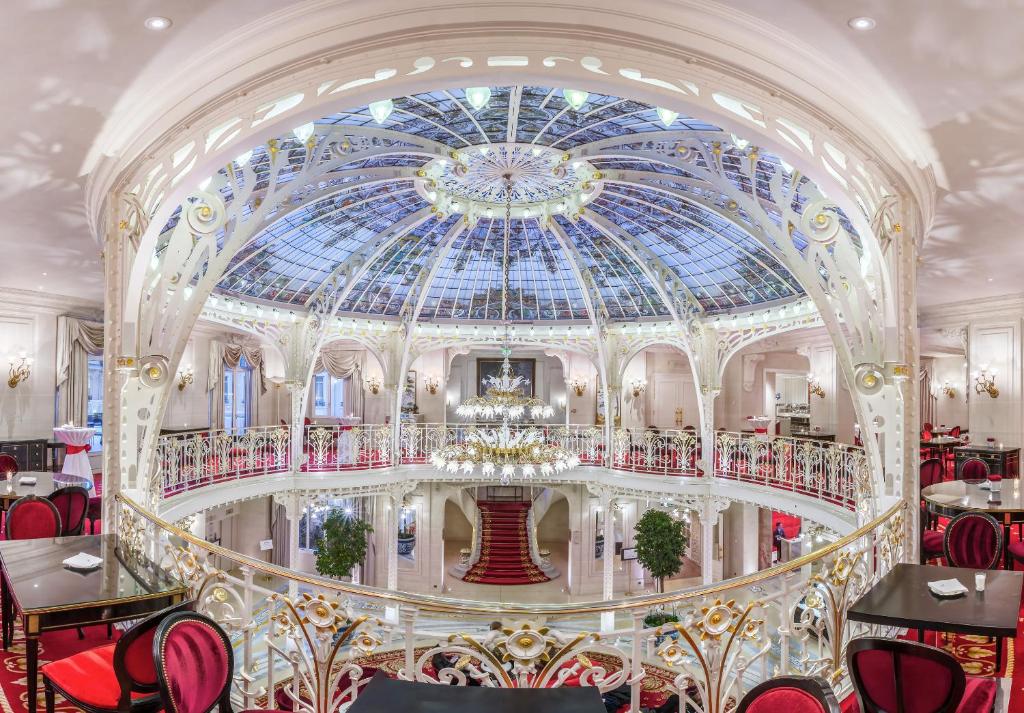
[32, 659]
[1007, 564]
[5, 612]
[999, 654]
[920, 636]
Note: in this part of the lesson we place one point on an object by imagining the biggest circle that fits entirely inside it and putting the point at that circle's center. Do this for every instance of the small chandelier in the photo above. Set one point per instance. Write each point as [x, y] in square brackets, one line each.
[814, 387]
[639, 387]
[505, 452]
[504, 399]
[985, 382]
[578, 384]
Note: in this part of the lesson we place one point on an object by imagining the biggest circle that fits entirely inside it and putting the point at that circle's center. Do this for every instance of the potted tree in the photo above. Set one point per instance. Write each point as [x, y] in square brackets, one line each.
[342, 545]
[660, 544]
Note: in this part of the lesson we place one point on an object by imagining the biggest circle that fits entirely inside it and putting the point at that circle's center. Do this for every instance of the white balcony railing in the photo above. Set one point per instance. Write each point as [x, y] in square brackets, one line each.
[308, 643]
[835, 473]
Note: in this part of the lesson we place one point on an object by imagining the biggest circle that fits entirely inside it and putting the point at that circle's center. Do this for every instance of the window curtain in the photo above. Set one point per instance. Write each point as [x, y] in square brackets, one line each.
[348, 365]
[230, 355]
[76, 340]
[928, 399]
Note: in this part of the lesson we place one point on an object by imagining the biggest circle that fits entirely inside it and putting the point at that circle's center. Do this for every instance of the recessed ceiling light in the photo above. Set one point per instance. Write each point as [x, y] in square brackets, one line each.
[861, 23]
[157, 23]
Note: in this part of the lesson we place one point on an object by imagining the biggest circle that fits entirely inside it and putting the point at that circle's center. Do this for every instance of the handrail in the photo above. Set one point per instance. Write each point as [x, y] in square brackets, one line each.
[463, 606]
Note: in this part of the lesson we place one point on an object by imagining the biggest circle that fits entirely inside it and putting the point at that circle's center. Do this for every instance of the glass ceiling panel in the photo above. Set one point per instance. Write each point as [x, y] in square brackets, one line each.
[716, 259]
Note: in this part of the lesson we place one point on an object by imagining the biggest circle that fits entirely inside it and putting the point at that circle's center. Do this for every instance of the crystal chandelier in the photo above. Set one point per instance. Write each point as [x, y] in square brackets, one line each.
[505, 450]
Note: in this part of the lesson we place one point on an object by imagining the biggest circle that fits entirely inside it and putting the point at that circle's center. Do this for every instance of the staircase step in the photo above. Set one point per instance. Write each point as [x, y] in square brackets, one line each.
[505, 547]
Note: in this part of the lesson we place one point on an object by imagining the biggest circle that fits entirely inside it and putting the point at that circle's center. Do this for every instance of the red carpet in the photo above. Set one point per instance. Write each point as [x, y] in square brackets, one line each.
[504, 547]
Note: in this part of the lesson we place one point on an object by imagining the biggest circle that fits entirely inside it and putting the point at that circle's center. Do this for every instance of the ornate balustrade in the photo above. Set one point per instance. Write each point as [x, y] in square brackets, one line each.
[194, 460]
[305, 642]
[331, 448]
[835, 473]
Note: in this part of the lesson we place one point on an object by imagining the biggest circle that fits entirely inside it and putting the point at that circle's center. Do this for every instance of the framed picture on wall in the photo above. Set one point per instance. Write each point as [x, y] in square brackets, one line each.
[526, 368]
[409, 393]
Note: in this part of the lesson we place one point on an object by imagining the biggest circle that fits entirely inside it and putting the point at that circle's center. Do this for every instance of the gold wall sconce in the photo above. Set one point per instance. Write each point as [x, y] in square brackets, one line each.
[985, 382]
[639, 387]
[578, 384]
[948, 390]
[431, 383]
[185, 377]
[21, 368]
[373, 385]
[814, 387]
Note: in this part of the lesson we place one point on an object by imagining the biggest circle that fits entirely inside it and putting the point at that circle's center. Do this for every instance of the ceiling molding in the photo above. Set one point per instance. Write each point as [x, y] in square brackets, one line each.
[13, 298]
[974, 310]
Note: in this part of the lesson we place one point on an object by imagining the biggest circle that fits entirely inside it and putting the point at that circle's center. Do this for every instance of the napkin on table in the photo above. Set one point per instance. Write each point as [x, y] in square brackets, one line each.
[947, 587]
[27, 480]
[83, 561]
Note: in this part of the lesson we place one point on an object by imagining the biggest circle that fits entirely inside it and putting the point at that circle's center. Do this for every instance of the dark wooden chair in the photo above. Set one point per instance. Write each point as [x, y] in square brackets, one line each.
[973, 540]
[32, 518]
[792, 694]
[72, 503]
[899, 676]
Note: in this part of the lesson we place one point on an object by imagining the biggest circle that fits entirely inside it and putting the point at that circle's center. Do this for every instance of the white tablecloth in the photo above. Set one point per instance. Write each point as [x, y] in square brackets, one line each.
[76, 463]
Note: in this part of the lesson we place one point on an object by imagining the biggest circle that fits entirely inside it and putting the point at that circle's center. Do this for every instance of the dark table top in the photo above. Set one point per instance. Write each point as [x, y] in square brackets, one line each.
[960, 495]
[983, 448]
[902, 598]
[39, 582]
[46, 483]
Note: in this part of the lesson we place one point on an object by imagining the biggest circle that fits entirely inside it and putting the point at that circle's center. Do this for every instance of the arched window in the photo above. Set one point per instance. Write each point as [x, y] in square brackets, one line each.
[329, 395]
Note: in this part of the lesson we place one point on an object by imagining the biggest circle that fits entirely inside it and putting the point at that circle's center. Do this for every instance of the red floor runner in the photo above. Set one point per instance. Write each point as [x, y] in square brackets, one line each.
[504, 546]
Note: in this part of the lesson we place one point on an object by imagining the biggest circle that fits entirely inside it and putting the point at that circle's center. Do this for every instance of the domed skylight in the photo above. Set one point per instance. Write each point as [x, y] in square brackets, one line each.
[594, 213]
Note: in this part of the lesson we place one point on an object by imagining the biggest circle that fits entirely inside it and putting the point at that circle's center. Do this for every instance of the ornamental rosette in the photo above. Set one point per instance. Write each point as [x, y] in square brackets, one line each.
[526, 646]
[320, 613]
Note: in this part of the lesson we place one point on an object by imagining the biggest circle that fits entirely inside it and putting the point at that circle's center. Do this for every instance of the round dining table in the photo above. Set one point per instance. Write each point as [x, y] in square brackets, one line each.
[949, 499]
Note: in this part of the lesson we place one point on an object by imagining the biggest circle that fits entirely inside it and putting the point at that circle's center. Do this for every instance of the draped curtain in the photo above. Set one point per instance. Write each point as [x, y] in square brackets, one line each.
[230, 355]
[76, 340]
[348, 365]
[928, 400]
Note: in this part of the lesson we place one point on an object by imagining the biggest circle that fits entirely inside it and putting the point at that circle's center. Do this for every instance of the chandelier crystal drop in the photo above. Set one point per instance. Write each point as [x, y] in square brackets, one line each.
[505, 450]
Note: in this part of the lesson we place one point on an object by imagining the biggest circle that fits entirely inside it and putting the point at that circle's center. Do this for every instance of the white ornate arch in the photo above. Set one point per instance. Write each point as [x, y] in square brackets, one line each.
[871, 192]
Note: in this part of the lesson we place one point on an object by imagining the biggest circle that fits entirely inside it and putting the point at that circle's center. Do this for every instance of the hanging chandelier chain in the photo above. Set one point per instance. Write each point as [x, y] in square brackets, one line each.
[507, 237]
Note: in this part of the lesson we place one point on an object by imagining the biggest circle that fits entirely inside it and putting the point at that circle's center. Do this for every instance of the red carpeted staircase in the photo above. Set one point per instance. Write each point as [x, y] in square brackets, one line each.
[504, 546]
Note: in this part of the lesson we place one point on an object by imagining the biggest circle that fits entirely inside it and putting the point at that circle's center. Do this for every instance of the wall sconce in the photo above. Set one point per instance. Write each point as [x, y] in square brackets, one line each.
[431, 383]
[985, 382]
[639, 387]
[814, 387]
[21, 369]
[185, 377]
[373, 385]
[578, 384]
[948, 389]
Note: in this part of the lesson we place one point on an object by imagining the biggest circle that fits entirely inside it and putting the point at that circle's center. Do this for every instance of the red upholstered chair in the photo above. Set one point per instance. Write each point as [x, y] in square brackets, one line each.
[973, 540]
[792, 694]
[926, 426]
[95, 512]
[114, 677]
[31, 518]
[931, 541]
[72, 503]
[955, 432]
[194, 664]
[882, 669]
[931, 473]
[8, 464]
[974, 469]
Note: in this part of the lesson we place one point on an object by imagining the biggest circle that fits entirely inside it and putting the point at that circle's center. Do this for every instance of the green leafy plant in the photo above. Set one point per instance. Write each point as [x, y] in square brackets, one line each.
[342, 545]
[660, 544]
[658, 617]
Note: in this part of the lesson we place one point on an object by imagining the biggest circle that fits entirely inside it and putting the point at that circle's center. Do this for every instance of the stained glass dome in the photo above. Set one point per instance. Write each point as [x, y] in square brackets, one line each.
[598, 218]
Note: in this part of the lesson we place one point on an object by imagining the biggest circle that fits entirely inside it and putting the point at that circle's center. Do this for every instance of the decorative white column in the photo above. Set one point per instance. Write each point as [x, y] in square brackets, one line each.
[708, 520]
[707, 429]
[608, 559]
[293, 510]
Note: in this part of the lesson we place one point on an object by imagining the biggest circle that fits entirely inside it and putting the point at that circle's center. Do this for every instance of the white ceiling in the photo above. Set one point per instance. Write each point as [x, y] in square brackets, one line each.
[958, 64]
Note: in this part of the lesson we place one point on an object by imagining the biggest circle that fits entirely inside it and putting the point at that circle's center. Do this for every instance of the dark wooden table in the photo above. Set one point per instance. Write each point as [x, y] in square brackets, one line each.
[1001, 460]
[902, 598]
[953, 497]
[942, 444]
[46, 596]
[46, 483]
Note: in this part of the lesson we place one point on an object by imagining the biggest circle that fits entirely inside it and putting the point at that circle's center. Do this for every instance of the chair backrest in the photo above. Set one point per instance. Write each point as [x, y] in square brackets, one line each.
[134, 665]
[974, 469]
[32, 518]
[8, 464]
[927, 426]
[973, 539]
[931, 472]
[888, 675]
[194, 664]
[792, 694]
[926, 435]
[72, 503]
[955, 432]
